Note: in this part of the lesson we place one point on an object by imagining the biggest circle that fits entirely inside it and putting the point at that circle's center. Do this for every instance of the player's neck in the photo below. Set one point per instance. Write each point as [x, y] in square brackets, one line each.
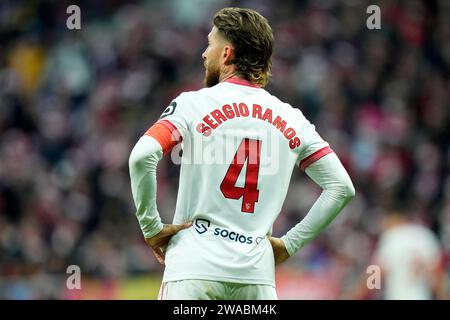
[227, 75]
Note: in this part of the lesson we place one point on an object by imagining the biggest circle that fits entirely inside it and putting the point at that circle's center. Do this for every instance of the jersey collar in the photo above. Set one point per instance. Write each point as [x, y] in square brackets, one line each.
[242, 82]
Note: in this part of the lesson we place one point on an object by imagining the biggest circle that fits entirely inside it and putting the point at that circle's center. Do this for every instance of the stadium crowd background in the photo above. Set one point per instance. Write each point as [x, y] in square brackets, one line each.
[74, 102]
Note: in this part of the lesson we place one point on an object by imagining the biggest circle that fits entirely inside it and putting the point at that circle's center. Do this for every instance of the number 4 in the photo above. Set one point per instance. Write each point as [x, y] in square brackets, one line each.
[248, 150]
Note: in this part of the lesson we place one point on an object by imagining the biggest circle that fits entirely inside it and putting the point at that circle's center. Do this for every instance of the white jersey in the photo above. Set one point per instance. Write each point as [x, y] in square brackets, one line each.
[408, 255]
[240, 145]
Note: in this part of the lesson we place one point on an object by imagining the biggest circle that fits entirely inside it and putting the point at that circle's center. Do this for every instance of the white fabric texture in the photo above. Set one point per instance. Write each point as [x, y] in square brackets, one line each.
[228, 240]
[338, 190]
[142, 164]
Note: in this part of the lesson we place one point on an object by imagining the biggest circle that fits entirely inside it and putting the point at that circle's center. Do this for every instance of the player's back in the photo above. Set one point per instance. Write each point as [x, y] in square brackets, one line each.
[240, 145]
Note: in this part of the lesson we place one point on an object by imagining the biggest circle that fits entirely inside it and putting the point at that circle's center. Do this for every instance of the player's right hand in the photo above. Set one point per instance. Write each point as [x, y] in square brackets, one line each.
[159, 242]
[279, 250]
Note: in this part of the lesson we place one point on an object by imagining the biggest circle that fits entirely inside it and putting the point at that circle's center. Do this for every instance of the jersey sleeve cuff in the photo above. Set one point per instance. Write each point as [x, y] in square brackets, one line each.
[154, 230]
[305, 163]
[288, 245]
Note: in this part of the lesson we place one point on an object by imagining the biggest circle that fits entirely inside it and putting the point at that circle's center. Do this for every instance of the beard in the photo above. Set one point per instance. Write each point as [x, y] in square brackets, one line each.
[212, 75]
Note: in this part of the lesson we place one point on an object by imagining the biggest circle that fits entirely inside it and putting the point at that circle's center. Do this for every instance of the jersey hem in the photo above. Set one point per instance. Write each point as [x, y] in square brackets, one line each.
[219, 278]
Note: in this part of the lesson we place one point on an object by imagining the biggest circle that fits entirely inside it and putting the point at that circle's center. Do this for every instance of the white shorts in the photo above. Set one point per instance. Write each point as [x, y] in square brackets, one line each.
[214, 290]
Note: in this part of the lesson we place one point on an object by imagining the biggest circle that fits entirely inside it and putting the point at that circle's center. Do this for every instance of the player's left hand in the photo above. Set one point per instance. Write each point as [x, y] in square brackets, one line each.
[279, 250]
[158, 242]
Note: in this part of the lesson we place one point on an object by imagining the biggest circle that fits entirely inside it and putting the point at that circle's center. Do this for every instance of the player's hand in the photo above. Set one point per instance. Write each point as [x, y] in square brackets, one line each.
[159, 242]
[279, 250]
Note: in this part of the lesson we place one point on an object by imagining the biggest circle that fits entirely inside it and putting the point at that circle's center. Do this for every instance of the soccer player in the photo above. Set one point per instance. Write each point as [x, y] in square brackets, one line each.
[410, 259]
[240, 145]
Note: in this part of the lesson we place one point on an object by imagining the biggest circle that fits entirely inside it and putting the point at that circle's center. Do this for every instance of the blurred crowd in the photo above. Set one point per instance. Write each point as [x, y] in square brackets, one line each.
[74, 102]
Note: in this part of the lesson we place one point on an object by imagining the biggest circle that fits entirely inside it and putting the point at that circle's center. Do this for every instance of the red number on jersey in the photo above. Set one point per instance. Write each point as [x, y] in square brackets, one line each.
[248, 151]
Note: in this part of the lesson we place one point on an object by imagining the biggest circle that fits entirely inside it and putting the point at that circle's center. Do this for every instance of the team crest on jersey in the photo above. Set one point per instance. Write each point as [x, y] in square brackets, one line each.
[169, 110]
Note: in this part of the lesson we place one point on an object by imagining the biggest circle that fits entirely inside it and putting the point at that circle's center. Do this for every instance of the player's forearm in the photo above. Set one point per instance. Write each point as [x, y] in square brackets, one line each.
[142, 164]
[338, 190]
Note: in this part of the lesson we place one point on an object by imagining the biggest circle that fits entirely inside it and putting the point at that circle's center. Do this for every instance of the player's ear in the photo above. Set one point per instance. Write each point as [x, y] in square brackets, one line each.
[228, 55]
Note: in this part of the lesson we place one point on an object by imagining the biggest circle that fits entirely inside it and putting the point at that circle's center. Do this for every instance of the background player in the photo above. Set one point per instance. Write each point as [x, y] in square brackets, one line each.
[410, 258]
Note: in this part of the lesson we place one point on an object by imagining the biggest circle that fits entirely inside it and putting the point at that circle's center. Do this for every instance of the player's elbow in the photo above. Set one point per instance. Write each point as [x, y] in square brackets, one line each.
[348, 190]
[343, 189]
[137, 159]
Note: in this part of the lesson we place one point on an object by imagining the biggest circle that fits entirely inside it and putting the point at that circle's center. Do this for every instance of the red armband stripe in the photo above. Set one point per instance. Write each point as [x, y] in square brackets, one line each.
[166, 134]
[169, 125]
[314, 157]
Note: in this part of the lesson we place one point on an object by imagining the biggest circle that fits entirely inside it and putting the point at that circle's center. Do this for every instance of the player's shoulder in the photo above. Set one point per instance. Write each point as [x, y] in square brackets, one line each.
[194, 95]
[187, 103]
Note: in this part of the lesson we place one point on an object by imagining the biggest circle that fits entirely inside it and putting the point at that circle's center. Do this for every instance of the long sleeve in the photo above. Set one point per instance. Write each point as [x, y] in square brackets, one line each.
[142, 164]
[338, 190]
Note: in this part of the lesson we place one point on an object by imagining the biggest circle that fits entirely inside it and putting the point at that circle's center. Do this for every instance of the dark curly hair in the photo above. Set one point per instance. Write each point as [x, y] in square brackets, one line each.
[252, 38]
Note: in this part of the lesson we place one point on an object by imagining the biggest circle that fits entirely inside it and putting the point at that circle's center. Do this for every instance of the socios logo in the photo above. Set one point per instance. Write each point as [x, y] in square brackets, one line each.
[233, 236]
[201, 225]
